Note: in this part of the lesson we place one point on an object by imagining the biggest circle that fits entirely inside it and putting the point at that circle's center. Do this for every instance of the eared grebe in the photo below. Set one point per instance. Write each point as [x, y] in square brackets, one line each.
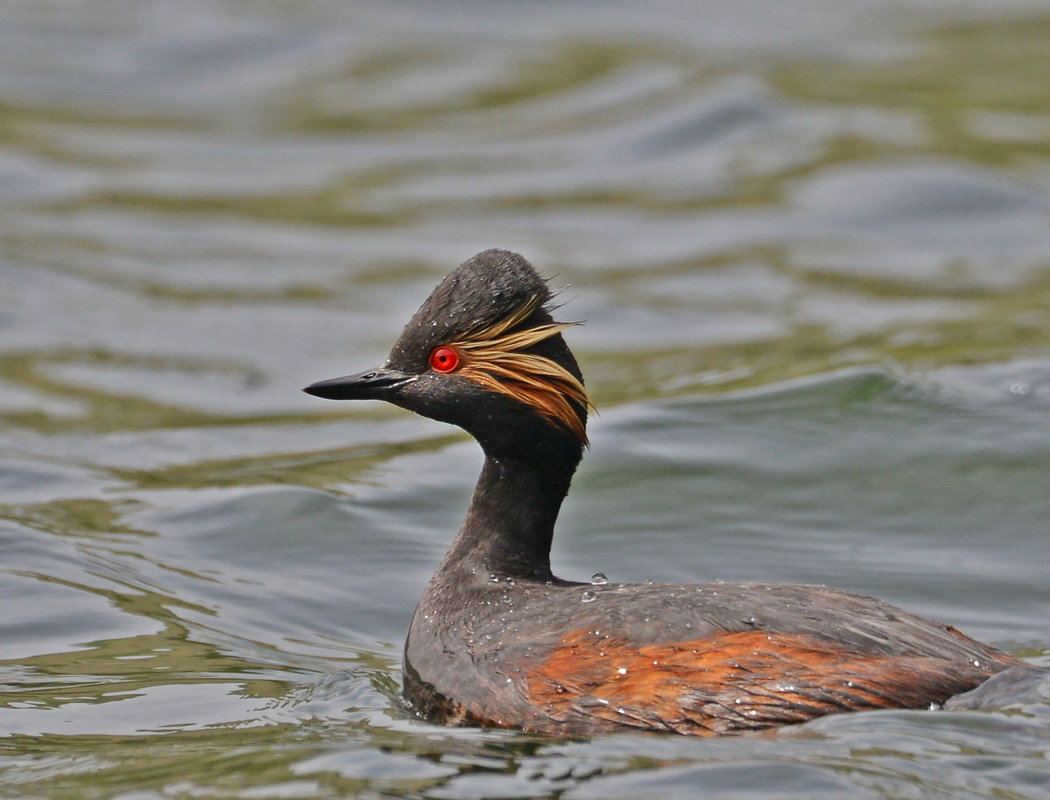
[498, 640]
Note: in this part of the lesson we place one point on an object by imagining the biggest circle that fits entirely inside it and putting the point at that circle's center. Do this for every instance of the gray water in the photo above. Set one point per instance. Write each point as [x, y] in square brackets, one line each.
[811, 243]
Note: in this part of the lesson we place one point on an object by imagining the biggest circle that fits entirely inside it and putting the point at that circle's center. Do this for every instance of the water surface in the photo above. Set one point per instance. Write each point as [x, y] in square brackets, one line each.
[810, 240]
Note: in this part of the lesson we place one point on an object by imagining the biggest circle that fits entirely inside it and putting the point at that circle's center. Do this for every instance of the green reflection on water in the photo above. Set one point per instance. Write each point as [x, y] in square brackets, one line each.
[994, 325]
[82, 517]
[332, 102]
[108, 411]
[321, 469]
[983, 87]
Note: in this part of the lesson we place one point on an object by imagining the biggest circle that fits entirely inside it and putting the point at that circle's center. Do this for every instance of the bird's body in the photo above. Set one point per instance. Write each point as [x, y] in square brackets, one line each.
[695, 659]
[498, 640]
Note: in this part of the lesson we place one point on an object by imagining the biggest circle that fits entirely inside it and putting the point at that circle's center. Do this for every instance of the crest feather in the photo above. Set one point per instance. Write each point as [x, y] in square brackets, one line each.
[495, 359]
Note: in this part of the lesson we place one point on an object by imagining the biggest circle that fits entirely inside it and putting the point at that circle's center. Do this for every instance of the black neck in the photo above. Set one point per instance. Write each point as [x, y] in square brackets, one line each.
[510, 523]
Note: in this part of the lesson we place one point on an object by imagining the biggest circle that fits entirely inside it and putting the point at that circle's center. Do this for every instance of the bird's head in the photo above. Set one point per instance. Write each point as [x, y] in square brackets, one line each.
[484, 353]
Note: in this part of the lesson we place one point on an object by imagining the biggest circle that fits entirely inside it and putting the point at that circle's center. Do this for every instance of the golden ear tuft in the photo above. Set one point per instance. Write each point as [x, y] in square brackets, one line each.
[494, 359]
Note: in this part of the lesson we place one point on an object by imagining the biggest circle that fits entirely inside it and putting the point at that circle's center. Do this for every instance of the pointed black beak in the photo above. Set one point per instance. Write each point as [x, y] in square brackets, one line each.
[373, 384]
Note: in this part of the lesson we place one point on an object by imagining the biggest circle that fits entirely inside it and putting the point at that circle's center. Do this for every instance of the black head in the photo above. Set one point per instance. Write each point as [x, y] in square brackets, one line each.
[484, 353]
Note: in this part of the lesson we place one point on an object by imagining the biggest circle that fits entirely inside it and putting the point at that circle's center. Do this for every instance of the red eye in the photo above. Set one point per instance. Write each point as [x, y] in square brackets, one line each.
[444, 359]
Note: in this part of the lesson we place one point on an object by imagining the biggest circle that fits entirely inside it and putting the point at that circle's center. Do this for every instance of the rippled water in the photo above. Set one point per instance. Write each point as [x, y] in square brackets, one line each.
[811, 240]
